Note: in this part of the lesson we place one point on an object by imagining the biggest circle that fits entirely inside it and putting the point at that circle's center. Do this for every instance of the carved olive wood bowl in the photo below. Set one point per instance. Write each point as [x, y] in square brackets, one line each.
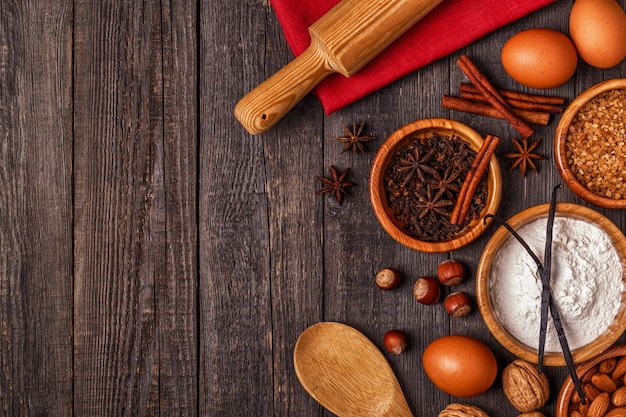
[424, 128]
[560, 139]
[483, 294]
[567, 389]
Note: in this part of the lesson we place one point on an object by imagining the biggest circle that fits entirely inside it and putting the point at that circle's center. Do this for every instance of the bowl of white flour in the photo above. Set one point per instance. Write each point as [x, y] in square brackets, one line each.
[588, 283]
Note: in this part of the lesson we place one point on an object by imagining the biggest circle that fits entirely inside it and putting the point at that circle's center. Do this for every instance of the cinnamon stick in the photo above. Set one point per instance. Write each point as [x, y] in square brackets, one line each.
[467, 106]
[492, 95]
[462, 196]
[470, 184]
[516, 95]
[515, 103]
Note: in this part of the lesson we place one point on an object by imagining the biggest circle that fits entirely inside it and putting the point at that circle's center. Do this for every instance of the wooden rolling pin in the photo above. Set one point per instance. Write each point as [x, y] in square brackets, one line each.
[346, 38]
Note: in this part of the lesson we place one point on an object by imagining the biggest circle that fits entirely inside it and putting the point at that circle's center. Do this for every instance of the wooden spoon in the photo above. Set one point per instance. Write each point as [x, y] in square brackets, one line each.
[346, 373]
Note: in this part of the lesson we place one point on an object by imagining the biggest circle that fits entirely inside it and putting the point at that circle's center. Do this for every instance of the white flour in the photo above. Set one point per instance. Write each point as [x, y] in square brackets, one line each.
[586, 282]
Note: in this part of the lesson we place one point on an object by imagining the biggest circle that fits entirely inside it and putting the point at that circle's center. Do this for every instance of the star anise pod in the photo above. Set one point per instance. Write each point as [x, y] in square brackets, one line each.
[337, 185]
[417, 164]
[431, 204]
[353, 138]
[447, 181]
[524, 156]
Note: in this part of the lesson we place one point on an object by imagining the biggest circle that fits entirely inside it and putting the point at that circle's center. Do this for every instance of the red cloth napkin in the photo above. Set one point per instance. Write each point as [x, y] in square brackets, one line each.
[452, 25]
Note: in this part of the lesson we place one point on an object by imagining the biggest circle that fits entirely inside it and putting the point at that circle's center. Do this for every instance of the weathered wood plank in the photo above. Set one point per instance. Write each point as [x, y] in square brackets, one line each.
[236, 369]
[35, 208]
[177, 196]
[294, 155]
[135, 224]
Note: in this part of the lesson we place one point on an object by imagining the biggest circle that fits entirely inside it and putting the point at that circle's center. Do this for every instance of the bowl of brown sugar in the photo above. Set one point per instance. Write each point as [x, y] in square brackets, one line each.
[416, 179]
[590, 145]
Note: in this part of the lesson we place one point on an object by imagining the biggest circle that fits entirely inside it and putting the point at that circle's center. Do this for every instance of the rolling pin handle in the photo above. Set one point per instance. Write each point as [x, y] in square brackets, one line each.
[266, 104]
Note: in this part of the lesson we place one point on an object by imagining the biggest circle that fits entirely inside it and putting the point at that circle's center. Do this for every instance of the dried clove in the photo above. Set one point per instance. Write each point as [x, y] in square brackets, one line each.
[422, 183]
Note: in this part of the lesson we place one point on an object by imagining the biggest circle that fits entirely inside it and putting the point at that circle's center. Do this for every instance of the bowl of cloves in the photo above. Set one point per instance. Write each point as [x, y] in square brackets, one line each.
[432, 183]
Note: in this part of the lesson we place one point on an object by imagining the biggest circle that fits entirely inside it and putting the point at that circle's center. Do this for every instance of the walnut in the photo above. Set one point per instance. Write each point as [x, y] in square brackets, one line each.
[526, 389]
[462, 410]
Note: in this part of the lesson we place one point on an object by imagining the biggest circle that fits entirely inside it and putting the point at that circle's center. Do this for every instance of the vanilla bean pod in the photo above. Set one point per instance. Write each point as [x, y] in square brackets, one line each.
[545, 280]
[556, 318]
[567, 353]
[522, 242]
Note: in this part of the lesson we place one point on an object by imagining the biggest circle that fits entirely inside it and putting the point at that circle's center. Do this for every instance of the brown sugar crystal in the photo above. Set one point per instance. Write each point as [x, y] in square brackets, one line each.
[596, 144]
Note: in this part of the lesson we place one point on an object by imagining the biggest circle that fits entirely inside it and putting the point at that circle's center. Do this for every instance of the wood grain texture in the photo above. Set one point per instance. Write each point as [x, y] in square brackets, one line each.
[177, 279]
[295, 224]
[135, 226]
[155, 259]
[35, 208]
[236, 323]
[118, 232]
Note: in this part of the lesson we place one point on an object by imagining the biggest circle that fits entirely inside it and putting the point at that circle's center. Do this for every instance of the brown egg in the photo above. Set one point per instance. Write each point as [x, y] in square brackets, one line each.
[598, 29]
[539, 58]
[460, 365]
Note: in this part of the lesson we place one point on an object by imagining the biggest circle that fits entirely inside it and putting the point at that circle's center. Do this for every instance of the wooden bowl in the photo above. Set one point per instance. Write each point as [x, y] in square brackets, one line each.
[486, 307]
[425, 128]
[567, 389]
[560, 140]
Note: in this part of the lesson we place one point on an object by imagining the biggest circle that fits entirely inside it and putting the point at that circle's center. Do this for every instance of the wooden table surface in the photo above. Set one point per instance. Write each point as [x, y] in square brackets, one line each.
[156, 259]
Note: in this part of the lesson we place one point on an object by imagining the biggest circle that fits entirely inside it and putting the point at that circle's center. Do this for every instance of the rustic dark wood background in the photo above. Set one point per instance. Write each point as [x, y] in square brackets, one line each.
[155, 259]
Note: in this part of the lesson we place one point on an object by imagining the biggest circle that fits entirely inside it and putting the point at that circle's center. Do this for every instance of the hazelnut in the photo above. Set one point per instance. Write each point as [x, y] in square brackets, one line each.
[395, 341]
[524, 386]
[427, 290]
[451, 272]
[458, 304]
[387, 279]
